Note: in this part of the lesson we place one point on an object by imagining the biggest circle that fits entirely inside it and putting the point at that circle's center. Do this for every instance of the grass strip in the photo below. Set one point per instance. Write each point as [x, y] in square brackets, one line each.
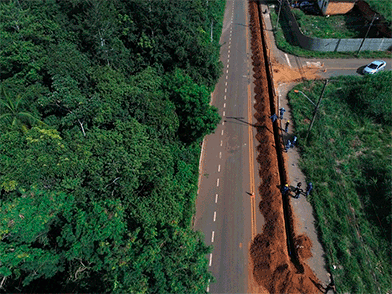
[348, 159]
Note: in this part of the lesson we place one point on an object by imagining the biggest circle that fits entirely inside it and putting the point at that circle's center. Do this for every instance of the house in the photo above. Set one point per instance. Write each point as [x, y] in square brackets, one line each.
[331, 7]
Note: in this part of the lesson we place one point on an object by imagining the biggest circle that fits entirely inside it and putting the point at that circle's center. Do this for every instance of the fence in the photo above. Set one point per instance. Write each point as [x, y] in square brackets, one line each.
[327, 45]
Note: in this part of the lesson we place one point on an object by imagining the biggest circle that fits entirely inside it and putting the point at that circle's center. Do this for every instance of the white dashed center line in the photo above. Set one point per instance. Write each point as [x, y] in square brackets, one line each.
[221, 142]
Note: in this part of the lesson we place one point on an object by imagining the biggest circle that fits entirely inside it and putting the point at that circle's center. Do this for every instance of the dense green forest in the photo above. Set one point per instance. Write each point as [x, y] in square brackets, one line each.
[103, 106]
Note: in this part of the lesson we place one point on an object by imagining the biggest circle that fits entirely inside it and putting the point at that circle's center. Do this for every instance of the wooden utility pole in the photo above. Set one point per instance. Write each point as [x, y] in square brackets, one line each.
[370, 26]
[280, 8]
[315, 110]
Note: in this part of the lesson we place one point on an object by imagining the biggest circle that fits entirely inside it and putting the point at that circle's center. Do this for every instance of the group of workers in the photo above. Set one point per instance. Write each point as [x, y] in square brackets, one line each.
[297, 190]
[290, 144]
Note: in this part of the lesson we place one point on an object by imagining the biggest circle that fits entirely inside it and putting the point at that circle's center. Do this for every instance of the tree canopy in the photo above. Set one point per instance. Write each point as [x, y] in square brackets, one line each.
[104, 106]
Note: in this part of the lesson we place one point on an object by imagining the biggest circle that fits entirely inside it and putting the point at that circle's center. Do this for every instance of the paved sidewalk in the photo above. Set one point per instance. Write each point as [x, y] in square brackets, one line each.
[303, 210]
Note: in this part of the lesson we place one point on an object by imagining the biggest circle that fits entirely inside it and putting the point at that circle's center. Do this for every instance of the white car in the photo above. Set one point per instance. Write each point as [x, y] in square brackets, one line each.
[374, 67]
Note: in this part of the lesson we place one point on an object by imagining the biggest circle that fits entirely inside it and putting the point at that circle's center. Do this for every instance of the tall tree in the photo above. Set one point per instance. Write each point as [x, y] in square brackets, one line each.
[197, 117]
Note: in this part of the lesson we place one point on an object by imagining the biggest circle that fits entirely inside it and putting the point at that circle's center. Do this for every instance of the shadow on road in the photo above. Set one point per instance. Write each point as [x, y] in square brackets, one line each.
[360, 70]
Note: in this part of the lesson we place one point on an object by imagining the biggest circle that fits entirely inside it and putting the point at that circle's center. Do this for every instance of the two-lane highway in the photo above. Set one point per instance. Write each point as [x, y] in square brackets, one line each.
[225, 208]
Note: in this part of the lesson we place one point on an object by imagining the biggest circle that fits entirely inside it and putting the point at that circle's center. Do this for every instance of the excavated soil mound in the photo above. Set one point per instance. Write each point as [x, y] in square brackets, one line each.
[272, 266]
[285, 74]
[303, 244]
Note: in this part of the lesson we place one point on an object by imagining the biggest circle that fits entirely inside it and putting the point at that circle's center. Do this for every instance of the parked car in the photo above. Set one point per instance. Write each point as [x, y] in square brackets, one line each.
[305, 4]
[300, 3]
[374, 67]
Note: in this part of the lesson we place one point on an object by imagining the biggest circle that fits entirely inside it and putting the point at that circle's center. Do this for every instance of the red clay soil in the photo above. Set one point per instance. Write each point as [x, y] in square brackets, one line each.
[272, 266]
[284, 74]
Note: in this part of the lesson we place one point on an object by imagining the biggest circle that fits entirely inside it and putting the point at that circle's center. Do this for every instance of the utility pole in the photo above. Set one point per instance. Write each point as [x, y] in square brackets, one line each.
[370, 26]
[315, 110]
[280, 8]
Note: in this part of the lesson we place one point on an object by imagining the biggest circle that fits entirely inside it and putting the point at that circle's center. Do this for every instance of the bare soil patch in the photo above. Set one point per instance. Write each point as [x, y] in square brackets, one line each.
[285, 74]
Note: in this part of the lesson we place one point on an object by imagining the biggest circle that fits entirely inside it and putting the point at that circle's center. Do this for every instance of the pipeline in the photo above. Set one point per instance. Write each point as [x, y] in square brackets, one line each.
[288, 219]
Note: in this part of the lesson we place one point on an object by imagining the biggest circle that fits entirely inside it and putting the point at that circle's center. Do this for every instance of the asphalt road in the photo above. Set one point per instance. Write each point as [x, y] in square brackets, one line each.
[334, 67]
[225, 209]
